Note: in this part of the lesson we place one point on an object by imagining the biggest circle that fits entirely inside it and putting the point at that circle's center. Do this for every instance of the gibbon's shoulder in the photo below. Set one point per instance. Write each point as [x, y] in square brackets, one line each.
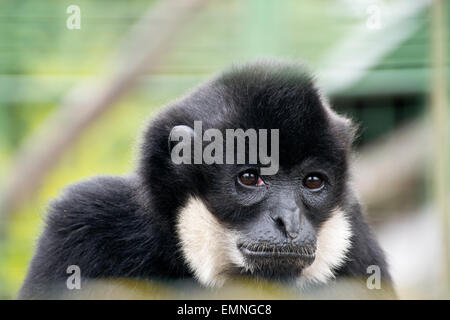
[96, 196]
[97, 208]
[95, 211]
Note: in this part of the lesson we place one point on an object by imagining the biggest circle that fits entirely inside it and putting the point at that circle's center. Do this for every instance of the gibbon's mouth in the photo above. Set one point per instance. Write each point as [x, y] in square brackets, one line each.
[276, 262]
[304, 254]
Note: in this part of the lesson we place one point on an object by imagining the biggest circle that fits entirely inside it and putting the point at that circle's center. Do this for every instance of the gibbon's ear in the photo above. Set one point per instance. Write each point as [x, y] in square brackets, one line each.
[182, 134]
[346, 130]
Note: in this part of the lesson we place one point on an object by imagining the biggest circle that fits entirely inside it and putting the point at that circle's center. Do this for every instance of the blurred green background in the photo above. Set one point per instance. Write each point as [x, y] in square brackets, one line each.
[41, 60]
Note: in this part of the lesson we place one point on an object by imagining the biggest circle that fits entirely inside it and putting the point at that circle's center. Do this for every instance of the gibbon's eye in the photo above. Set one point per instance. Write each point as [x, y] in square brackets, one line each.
[250, 178]
[313, 181]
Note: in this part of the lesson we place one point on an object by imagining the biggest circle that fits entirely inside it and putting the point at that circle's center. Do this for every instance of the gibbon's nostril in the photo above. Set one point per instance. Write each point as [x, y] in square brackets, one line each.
[290, 226]
[280, 223]
[285, 229]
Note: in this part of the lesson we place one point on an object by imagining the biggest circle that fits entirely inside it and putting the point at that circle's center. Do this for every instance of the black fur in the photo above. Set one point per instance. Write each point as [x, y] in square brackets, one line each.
[125, 226]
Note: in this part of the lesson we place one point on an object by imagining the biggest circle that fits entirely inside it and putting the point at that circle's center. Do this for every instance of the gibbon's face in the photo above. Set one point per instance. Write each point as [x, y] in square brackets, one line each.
[276, 218]
[281, 226]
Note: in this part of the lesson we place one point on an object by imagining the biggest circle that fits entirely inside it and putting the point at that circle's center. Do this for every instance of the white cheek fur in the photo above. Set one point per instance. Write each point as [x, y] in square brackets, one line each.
[210, 248]
[333, 243]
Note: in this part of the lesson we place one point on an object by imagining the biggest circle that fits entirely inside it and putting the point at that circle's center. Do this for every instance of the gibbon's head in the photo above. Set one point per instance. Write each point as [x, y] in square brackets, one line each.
[242, 201]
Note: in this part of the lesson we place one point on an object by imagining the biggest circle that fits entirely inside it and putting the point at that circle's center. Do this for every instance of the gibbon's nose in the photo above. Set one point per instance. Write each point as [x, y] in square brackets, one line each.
[288, 221]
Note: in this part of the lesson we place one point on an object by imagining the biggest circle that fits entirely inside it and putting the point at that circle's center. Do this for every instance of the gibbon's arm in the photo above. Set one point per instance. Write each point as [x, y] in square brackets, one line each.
[365, 250]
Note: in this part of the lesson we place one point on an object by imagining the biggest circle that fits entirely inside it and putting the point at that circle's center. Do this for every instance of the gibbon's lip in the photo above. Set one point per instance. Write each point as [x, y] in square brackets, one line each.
[290, 252]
